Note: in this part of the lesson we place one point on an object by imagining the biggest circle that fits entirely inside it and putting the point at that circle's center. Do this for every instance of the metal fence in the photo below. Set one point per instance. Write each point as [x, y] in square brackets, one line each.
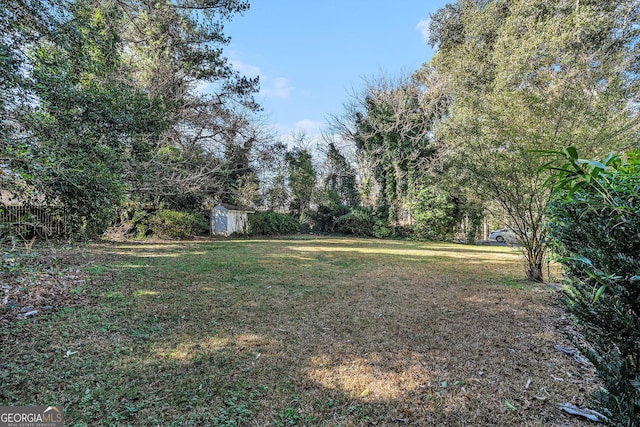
[23, 220]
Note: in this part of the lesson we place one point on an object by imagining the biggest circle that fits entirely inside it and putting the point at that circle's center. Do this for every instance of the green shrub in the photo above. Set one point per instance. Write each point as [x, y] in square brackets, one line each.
[269, 223]
[358, 221]
[177, 224]
[436, 214]
[138, 222]
[381, 229]
[404, 231]
[324, 219]
[594, 227]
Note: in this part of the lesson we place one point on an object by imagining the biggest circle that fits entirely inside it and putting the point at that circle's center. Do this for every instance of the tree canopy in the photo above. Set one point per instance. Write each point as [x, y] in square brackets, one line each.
[104, 101]
[533, 75]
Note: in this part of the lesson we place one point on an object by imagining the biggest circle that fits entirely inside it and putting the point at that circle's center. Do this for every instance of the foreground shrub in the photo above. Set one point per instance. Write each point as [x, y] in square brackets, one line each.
[595, 229]
[269, 223]
[178, 224]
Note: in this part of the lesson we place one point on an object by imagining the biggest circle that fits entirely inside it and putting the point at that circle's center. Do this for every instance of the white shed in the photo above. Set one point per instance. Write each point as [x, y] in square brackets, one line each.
[228, 219]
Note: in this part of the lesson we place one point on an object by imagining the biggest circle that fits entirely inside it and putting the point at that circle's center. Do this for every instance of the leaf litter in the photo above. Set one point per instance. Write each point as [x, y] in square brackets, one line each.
[32, 284]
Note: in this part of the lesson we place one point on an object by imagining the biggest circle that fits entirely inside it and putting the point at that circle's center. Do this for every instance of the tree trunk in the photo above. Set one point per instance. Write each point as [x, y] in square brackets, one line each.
[534, 252]
[535, 257]
[485, 230]
[534, 271]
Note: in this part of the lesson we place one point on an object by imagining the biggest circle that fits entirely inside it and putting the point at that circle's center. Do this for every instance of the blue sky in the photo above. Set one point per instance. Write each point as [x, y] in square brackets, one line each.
[311, 54]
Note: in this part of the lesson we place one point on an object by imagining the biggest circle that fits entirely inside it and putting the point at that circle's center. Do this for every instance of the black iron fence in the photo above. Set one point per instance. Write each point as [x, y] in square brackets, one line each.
[25, 220]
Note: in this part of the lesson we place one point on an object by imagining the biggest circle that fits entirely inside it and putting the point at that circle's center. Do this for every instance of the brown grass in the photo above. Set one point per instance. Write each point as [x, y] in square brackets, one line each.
[321, 331]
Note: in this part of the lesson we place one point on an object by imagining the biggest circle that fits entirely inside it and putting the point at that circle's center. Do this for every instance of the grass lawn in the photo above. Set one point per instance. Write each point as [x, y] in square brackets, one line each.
[297, 332]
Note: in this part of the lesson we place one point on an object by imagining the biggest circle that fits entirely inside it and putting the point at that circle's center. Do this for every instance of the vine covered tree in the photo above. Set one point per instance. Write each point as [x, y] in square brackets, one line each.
[340, 181]
[302, 180]
[391, 126]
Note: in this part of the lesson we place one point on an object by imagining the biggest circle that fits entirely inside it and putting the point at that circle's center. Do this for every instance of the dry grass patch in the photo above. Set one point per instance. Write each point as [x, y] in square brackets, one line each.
[307, 331]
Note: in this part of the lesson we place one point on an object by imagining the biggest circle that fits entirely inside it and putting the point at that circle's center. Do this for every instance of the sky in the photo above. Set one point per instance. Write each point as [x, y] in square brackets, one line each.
[310, 55]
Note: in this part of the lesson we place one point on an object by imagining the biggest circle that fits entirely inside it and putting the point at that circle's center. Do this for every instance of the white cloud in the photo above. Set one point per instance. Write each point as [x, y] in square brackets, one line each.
[202, 86]
[308, 125]
[246, 69]
[423, 26]
[289, 133]
[279, 87]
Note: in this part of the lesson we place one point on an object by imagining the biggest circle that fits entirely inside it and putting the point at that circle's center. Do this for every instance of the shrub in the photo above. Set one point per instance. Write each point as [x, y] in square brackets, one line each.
[269, 223]
[381, 229]
[595, 229]
[436, 214]
[324, 219]
[177, 224]
[404, 231]
[358, 221]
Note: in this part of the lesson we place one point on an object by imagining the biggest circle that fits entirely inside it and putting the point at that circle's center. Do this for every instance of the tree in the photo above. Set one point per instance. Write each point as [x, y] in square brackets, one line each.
[391, 123]
[22, 22]
[273, 171]
[340, 181]
[70, 144]
[437, 213]
[175, 49]
[302, 180]
[104, 100]
[531, 75]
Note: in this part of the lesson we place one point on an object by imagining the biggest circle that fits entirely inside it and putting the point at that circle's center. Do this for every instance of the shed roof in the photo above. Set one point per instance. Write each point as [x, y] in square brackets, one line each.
[229, 207]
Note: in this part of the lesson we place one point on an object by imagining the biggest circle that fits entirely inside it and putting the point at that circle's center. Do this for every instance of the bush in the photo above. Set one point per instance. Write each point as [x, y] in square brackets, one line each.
[177, 224]
[404, 231]
[362, 222]
[324, 219]
[358, 221]
[436, 214]
[269, 223]
[381, 229]
[595, 229]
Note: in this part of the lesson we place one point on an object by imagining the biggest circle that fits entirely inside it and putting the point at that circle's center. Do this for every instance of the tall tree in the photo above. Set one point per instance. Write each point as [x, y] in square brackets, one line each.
[22, 22]
[175, 49]
[74, 129]
[390, 123]
[532, 75]
[302, 180]
[273, 171]
[340, 181]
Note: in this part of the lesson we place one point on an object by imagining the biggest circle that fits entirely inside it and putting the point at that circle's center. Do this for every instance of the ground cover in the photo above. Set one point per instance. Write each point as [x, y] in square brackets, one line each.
[297, 331]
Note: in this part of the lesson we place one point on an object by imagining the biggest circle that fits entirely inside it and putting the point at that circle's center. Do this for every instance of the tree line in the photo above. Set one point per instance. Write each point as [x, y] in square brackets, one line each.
[112, 104]
[464, 134]
[106, 102]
